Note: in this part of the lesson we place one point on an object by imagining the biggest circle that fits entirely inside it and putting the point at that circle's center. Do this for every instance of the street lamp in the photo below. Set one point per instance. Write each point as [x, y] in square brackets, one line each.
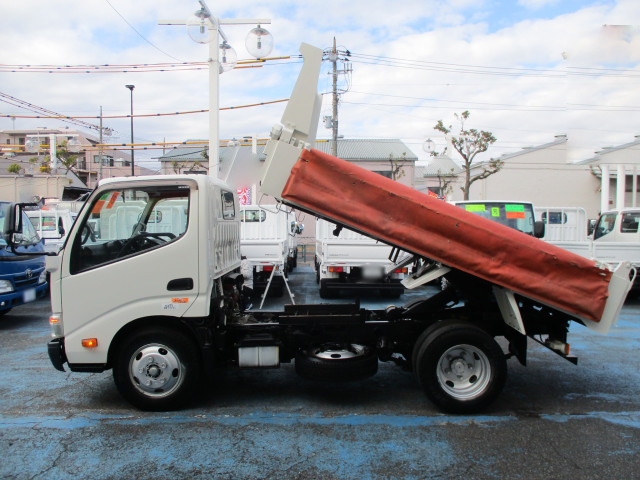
[205, 28]
[131, 87]
[428, 146]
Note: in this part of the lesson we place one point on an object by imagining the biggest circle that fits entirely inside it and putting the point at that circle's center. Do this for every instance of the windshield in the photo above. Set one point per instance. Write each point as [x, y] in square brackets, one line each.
[29, 234]
[518, 216]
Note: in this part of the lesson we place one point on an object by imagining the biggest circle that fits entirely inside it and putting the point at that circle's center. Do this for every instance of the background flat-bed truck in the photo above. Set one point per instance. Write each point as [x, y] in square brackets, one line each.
[348, 260]
[174, 308]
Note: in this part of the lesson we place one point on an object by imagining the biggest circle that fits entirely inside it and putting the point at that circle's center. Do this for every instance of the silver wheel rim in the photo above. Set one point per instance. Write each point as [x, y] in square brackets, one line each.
[155, 370]
[464, 372]
[338, 352]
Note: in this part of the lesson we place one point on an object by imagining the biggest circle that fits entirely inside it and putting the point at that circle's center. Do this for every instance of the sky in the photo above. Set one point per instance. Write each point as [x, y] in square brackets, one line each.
[526, 70]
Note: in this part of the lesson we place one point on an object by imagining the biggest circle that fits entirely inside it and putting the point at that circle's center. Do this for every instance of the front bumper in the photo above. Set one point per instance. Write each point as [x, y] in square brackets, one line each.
[56, 353]
[15, 299]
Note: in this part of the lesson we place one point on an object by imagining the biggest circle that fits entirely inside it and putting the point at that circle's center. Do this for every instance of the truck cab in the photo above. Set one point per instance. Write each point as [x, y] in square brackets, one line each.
[52, 226]
[513, 214]
[22, 272]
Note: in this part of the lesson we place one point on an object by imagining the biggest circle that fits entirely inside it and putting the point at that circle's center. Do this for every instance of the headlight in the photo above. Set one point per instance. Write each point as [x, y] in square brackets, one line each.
[42, 278]
[6, 286]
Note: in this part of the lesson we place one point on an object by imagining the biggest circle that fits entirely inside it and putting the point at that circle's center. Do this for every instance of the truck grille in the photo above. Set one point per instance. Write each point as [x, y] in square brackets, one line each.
[27, 280]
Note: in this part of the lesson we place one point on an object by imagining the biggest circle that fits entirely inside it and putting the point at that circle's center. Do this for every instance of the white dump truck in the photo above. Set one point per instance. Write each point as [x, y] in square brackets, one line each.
[268, 243]
[161, 308]
[349, 261]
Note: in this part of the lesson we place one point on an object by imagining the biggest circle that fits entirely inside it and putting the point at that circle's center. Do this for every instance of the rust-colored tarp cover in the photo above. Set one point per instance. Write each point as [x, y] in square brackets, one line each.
[417, 223]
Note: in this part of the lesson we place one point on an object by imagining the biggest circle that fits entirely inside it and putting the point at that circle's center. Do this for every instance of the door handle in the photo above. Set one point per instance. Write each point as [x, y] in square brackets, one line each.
[180, 284]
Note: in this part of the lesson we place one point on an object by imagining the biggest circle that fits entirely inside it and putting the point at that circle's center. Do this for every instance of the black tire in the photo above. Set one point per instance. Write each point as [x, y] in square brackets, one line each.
[325, 291]
[391, 293]
[5, 311]
[337, 362]
[461, 367]
[156, 369]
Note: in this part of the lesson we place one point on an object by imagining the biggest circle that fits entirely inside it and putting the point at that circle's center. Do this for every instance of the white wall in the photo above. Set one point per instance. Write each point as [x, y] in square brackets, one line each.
[14, 188]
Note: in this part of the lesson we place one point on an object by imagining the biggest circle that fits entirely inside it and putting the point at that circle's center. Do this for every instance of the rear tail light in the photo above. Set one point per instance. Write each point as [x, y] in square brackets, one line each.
[267, 268]
[400, 270]
[336, 269]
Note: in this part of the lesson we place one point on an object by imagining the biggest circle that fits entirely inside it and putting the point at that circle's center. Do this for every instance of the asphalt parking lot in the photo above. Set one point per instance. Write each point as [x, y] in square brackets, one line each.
[553, 419]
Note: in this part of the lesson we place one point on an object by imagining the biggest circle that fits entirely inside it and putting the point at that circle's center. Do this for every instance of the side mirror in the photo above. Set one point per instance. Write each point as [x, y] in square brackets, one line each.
[61, 231]
[538, 229]
[300, 228]
[15, 228]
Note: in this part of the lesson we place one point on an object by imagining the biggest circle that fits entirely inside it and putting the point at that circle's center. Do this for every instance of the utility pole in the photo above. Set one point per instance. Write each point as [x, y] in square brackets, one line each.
[101, 151]
[333, 55]
[334, 123]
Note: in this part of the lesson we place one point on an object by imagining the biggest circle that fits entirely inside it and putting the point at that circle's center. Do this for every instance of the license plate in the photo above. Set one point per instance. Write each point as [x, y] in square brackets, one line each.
[29, 295]
[371, 273]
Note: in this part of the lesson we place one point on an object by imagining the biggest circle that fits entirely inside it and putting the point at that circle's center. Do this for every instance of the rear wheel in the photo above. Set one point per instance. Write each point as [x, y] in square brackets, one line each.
[156, 369]
[461, 367]
[325, 291]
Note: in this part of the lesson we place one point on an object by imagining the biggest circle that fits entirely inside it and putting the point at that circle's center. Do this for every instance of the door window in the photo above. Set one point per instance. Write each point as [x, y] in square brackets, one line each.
[127, 222]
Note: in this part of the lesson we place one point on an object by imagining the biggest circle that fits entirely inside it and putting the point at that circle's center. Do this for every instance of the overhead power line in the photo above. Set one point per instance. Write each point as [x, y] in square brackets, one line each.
[135, 68]
[138, 33]
[563, 72]
[43, 112]
[56, 116]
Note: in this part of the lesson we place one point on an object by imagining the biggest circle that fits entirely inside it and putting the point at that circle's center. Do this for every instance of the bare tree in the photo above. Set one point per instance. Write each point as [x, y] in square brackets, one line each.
[469, 143]
[397, 164]
[445, 181]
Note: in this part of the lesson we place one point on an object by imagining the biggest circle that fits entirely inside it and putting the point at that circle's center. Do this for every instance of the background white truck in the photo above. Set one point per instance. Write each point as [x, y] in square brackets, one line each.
[268, 242]
[347, 260]
[52, 226]
[615, 237]
[161, 309]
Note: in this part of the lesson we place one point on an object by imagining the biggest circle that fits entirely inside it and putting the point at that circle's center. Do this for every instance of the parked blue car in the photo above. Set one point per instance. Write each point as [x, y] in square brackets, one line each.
[23, 276]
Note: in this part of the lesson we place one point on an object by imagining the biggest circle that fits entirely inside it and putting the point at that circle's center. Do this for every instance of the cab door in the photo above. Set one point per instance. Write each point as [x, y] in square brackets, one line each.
[125, 261]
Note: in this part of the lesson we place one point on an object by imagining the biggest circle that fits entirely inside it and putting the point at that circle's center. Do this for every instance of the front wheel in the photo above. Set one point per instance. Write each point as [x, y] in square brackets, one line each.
[461, 367]
[156, 369]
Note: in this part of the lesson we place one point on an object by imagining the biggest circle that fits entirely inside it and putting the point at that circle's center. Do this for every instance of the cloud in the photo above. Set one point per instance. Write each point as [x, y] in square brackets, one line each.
[508, 70]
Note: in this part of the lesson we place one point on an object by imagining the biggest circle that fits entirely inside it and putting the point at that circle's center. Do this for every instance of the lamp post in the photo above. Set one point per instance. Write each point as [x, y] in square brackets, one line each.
[205, 28]
[131, 87]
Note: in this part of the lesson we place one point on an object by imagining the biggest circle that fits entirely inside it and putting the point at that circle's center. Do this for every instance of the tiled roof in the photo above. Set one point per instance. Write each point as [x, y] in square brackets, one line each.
[348, 149]
[368, 149]
[441, 165]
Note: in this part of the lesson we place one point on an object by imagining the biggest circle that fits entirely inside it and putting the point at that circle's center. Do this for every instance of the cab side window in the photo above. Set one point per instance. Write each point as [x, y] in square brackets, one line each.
[629, 223]
[127, 222]
[605, 225]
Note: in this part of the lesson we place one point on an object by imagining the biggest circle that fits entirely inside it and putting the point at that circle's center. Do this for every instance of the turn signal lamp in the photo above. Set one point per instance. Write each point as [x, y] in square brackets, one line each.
[89, 342]
[57, 329]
